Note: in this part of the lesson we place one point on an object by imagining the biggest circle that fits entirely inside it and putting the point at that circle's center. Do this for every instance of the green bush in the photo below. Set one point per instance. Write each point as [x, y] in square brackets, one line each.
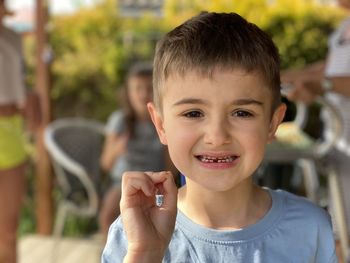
[94, 47]
[301, 39]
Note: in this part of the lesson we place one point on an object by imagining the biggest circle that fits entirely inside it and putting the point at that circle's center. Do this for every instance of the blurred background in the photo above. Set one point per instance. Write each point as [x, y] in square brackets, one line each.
[91, 43]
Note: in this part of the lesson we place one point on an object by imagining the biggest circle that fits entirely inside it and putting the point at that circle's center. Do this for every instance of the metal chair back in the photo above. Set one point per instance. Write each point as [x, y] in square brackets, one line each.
[75, 146]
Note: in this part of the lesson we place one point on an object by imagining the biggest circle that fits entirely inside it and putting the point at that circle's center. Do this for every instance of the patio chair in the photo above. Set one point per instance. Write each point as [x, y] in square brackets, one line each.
[310, 156]
[74, 145]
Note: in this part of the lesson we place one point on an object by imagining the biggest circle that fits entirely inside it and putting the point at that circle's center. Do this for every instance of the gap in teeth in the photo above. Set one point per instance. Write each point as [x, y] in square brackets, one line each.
[211, 159]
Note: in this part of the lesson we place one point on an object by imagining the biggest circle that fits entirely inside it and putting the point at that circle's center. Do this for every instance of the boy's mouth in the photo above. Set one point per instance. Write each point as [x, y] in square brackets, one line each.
[216, 159]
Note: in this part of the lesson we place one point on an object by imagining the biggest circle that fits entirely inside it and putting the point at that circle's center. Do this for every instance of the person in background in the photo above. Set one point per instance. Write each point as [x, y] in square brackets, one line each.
[15, 108]
[217, 103]
[132, 142]
[331, 78]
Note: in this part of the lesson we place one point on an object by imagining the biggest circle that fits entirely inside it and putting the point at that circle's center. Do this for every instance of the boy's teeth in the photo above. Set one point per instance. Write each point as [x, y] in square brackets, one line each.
[211, 159]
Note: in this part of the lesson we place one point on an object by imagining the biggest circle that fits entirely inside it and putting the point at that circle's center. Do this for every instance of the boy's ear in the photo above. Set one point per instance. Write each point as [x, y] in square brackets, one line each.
[276, 120]
[157, 120]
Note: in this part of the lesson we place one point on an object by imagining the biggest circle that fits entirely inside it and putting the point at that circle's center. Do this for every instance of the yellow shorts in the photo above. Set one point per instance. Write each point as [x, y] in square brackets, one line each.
[12, 142]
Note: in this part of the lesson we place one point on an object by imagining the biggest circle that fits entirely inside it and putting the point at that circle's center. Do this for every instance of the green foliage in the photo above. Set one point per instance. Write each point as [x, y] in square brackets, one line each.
[88, 58]
[94, 47]
[301, 36]
[92, 51]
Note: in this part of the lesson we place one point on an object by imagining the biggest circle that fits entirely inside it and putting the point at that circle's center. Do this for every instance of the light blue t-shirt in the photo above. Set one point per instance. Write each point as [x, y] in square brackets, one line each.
[294, 230]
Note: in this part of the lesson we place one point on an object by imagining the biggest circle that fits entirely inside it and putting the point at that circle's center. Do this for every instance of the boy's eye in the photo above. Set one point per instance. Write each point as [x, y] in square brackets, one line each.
[242, 114]
[193, 114]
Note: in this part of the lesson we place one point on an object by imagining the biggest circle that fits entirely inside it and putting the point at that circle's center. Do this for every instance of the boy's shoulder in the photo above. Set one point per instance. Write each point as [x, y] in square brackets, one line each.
[295, 206]
[290, 199]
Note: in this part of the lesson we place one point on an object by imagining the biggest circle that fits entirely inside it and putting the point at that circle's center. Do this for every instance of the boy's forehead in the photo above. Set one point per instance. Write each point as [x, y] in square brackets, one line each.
[212, 75]
[236, 82]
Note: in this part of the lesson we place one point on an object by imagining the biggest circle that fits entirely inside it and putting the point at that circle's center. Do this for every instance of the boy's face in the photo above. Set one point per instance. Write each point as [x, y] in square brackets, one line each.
[216, 128]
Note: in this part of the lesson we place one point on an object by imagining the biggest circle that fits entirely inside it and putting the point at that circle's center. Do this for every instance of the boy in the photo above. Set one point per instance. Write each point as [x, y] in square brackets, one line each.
[216, 105]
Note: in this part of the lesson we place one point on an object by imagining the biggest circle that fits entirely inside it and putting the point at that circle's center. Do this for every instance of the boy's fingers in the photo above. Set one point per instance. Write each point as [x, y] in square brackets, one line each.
[170, 191]
[132, 182]
[149, 183]
[167, 187]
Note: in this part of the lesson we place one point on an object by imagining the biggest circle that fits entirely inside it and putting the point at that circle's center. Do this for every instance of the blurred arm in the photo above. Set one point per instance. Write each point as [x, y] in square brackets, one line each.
[114, 147]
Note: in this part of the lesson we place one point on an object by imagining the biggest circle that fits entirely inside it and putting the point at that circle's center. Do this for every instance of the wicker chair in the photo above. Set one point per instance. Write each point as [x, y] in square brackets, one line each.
[75, 145]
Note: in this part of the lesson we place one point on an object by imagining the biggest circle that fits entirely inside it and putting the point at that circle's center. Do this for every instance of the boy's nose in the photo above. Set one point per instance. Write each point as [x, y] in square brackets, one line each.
[217, 133]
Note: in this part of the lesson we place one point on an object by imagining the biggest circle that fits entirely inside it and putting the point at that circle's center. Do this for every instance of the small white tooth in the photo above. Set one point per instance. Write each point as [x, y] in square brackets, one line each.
[212, 159]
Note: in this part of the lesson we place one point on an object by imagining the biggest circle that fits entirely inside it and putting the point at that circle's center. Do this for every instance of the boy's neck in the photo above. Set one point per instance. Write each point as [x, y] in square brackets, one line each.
[241, 207]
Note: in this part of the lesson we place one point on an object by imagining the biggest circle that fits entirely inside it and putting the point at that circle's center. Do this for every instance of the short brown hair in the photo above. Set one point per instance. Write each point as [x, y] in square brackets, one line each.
[216, 40]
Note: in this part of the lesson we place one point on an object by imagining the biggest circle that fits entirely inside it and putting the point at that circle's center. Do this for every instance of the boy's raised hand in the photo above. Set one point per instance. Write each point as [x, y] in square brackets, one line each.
[148, 227]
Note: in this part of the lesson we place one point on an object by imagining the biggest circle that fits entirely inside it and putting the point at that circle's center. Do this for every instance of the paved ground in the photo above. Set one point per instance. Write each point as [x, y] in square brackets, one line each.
[46, 249]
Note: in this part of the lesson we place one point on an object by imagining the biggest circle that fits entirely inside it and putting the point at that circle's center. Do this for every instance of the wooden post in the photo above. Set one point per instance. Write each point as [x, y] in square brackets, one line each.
[44, 179]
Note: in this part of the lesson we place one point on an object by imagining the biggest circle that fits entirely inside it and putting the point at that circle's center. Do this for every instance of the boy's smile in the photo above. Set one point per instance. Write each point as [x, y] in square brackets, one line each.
[216, 128]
